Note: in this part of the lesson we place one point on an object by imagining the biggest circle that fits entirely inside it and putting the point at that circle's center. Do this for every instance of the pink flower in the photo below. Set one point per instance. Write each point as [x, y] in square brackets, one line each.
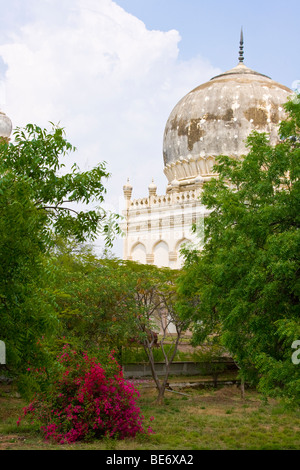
[86, 401]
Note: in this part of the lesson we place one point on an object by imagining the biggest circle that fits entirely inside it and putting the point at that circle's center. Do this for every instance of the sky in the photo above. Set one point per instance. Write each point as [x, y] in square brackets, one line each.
[110, 72]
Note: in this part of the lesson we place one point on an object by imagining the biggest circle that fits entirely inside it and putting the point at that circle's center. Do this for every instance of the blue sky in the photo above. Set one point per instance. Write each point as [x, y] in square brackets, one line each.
[110, 72]
[211, 29]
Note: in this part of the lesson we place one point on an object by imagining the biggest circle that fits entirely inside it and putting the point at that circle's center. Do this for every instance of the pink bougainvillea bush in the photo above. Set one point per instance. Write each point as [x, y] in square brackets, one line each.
[87, 401]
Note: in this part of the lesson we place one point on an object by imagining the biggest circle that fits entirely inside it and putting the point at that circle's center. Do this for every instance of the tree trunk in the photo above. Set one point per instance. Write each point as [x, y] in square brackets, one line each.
[242, 389]
[160, 396]
[160, 387]
[215, 379]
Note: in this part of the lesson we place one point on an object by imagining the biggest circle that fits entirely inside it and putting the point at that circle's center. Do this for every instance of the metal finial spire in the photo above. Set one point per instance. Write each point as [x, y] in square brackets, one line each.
[241, 54]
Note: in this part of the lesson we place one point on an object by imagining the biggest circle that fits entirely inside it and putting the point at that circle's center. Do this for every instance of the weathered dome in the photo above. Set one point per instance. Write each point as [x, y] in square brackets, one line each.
[216, 118]
[5, 126]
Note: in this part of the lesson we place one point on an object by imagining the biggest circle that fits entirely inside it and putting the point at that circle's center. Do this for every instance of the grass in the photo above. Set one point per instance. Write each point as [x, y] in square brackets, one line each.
[206, 419]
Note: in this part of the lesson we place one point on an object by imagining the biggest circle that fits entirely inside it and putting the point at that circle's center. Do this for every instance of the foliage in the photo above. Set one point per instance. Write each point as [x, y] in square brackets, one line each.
[94, 301]
[87, 401]
[137, 353]
[36, 156]
[26, 313]
[210, 356]
[244, 284]
[118, 304]
[115, 303]
[155, 298]
[38, 203]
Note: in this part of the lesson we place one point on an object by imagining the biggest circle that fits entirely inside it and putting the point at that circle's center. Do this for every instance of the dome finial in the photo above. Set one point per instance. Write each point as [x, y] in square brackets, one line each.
[241, 54]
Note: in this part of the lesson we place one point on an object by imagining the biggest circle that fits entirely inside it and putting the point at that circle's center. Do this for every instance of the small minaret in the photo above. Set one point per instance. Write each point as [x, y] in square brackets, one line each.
[127, 190]
[152, 188]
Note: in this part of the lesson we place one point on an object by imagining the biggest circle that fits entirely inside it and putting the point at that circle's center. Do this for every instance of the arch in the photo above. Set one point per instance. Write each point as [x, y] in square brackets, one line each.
[138, 252]
[161, 254]
[181, 242]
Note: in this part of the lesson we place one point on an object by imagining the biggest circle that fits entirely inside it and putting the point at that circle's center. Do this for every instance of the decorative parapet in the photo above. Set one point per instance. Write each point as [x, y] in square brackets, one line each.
[165, 200]
[142, 202]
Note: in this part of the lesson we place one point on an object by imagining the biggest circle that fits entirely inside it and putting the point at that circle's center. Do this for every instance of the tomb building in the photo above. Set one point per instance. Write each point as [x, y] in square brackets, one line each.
[213, 119]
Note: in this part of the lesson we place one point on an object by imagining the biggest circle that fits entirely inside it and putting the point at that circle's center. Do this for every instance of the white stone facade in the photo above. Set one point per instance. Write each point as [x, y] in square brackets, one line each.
[157, 227]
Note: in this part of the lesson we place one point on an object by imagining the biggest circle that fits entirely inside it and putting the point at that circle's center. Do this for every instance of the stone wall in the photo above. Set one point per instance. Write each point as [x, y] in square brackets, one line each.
[177, 368]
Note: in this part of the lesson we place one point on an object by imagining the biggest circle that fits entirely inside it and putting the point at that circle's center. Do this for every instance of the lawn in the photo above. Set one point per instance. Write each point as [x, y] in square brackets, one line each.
[194, 420]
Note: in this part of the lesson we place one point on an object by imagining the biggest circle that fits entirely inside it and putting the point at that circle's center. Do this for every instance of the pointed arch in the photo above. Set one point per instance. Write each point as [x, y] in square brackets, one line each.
[138, 252]
[161, 254]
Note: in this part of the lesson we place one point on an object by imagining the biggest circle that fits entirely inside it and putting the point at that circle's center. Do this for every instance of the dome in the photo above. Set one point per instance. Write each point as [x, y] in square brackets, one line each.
[216, 118]
[5, 126]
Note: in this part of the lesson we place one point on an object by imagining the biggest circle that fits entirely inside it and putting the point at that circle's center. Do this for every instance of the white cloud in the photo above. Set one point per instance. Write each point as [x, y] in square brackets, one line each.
[108, 80]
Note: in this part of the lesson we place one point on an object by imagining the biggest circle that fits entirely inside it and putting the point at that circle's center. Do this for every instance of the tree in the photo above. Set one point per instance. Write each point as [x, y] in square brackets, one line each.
[93, 300]
[114, 304]
[26, 313]
[38, 203]
[246, 278]
[155, 297]
[36, 157]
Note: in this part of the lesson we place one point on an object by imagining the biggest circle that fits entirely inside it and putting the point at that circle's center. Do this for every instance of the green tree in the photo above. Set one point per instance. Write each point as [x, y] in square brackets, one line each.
[25, 308]
[38, 202]
[37, 157]
[93, 299]
[106, 304]
[245, 281]
[155, 298]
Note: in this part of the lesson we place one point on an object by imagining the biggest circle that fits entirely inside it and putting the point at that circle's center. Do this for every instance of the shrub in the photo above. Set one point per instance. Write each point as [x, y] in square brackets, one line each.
[87, 401]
